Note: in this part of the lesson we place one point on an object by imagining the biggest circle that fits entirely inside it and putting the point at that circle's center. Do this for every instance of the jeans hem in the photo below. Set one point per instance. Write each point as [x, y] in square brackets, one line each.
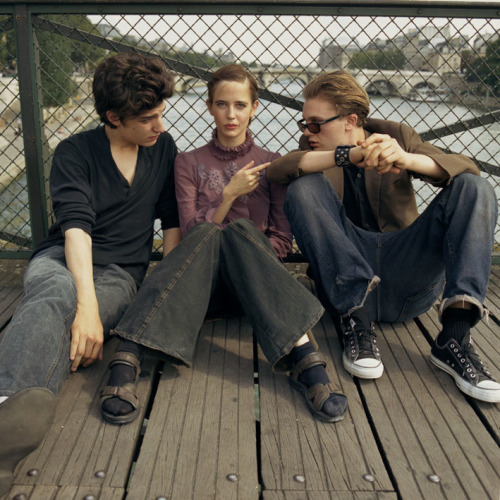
[285, 351]
[371, 286]
[150, 345]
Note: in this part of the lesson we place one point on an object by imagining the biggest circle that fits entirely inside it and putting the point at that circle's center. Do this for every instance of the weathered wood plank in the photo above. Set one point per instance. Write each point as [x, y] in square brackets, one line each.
[238, 385]
[492, 301]
[11, 289]
[331, 457]
[66, 493]
[201, 426]
[425, 425]
[80, 443]
[325, 495]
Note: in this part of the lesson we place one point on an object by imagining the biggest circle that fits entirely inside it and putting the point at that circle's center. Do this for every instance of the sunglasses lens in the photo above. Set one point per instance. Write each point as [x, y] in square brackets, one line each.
[314, 128]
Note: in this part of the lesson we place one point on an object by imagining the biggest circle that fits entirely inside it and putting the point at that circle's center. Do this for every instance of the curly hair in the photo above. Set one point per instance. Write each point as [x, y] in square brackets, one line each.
[129, 84]
[341, 90]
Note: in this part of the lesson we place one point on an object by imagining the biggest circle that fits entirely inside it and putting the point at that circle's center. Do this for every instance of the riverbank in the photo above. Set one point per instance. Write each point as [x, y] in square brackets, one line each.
[58, 124]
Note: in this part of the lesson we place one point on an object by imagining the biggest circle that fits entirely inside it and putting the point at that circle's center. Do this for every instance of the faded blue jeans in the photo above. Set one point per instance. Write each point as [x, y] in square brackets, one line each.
[34, 351]
[170, 307]
[397, 275]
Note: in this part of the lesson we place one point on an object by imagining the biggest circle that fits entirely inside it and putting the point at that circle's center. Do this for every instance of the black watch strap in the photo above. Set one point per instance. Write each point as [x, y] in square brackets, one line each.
[342, 156]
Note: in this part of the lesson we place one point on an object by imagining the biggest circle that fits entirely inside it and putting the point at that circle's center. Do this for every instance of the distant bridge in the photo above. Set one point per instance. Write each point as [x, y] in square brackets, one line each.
[385, 82]
[396, 82]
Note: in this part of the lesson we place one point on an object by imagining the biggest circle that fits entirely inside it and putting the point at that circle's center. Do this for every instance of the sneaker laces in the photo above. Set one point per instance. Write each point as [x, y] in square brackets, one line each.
[473, 358]
[365, 336]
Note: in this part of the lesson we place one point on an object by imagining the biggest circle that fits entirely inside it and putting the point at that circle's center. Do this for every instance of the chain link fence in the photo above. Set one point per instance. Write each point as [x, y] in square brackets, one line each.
[439, 75]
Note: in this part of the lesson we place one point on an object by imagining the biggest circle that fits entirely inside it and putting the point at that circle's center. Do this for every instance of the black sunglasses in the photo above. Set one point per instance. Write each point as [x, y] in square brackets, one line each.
[314, 127]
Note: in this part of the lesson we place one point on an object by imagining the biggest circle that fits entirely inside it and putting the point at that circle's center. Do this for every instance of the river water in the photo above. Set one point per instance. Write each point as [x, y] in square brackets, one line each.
[275, 128]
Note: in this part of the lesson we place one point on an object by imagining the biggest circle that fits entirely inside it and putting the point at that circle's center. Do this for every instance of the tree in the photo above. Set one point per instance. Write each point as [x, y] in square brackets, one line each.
[56, 68]
[85, 56]
[390, 59]
[7, 47]
[60, 56]
[488, 68]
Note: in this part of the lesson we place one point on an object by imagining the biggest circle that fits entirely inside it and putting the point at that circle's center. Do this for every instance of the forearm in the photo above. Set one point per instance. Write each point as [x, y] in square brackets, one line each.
[171, 238]
[223, 210]
[87, 330]
[78, 252]
[424, 165]
[317, 161]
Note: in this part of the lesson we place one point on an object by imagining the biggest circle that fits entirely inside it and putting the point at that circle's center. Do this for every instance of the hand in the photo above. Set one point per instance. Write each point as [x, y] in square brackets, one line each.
[244, 181]
[87, 336]
[382, 153]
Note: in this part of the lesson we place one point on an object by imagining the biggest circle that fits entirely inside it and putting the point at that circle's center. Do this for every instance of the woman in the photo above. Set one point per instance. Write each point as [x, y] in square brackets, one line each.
[234, 232]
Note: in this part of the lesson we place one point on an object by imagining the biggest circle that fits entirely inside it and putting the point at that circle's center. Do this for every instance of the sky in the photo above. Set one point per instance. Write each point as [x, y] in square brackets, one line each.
[287, 39]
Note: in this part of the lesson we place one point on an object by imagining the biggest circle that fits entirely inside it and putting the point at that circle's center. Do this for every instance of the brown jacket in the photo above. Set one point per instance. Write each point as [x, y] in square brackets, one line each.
[391, 196]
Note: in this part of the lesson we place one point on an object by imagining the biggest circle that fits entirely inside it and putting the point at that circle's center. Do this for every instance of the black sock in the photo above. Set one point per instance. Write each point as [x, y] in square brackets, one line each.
[456, 324]
[316, 374]
[362, 316]
[120, 375]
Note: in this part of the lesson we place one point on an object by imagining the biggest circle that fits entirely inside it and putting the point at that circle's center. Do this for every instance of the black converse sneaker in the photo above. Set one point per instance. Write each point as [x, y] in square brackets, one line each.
[462, 362]
[361, 356]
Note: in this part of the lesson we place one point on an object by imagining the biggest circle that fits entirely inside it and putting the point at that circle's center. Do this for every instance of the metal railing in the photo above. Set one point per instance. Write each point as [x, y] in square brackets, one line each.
[434, 65]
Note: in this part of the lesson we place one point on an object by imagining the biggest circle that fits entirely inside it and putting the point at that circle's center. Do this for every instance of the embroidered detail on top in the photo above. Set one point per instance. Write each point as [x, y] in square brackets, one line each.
[218, 180]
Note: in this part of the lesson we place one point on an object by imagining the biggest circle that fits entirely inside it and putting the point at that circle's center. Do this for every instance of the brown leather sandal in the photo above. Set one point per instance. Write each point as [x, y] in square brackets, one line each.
[126, 392]
[317, 394]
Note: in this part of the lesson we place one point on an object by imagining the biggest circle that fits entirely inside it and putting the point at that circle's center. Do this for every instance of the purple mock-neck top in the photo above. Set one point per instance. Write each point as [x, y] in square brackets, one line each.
[203, 173]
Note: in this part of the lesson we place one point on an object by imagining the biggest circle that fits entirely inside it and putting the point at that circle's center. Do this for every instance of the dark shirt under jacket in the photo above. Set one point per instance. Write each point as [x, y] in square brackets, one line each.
[89, 192]
[355, 200]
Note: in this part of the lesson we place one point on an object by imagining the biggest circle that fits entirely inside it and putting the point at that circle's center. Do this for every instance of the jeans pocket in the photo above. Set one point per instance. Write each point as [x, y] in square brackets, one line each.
[417, 304]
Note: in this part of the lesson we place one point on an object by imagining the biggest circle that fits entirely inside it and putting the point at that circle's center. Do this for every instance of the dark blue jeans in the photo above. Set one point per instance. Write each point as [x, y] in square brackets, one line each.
[171, 305]
[34, 351]
[450, 244]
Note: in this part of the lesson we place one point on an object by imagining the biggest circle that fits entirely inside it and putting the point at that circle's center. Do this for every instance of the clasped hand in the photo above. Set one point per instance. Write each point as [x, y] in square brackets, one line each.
[382, 153]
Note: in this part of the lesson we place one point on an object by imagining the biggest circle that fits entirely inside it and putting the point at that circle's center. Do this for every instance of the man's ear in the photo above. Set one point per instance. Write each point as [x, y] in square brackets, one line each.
[113, 118]
[351, 121]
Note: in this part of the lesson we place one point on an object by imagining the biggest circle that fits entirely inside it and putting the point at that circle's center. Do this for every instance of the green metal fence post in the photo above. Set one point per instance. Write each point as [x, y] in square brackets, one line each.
[30, 111]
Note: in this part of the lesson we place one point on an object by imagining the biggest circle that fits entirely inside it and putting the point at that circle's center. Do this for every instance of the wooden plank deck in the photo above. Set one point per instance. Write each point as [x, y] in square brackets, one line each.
[230, 428]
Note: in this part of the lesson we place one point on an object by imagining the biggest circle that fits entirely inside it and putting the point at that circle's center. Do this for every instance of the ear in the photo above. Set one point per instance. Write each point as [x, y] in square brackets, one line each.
[113, 118]
[209, 107]
[255, 105]
[351, 121]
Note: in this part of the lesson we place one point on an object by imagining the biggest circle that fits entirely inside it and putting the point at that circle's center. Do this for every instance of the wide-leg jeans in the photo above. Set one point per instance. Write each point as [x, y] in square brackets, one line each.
[449, 245]
[34, 350]
[170, 307]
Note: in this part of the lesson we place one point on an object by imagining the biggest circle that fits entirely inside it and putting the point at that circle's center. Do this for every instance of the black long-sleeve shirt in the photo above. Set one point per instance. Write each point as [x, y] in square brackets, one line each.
[90, 193]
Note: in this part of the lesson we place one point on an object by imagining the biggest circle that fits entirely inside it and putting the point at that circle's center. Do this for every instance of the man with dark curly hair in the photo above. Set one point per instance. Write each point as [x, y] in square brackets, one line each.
[108, 185]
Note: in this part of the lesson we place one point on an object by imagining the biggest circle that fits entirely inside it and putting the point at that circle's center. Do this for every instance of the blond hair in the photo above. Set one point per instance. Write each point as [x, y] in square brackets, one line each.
[341, 90]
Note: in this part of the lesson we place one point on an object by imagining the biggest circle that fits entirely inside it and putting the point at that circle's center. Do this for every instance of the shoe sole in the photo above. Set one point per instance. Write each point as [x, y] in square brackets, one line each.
[489, 396]
[362, 371]
[25, 419]
[120, 419]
